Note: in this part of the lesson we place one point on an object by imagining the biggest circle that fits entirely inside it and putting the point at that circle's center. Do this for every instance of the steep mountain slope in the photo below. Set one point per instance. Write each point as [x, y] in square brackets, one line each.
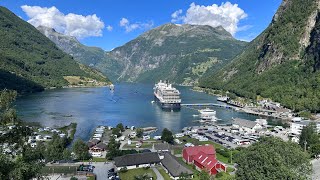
[282, 63]
[28, 55]
[179, 53]
[91, 56]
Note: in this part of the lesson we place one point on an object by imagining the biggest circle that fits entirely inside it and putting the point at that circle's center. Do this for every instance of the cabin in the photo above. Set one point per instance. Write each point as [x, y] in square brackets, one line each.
[132, 161]
[204, 158]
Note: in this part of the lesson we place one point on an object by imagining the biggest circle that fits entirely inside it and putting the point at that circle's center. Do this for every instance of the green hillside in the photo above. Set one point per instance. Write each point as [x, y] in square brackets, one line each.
[28, 55]
[282, 63]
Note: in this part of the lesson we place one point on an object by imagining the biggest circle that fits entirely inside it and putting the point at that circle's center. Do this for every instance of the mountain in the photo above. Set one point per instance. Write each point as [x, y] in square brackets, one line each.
[91, 56]
[31, 62]
[179, 53]
[282, 63]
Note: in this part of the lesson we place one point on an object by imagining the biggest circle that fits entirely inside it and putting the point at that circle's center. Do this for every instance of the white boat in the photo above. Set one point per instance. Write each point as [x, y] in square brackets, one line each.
[207, 114]
[223, 98]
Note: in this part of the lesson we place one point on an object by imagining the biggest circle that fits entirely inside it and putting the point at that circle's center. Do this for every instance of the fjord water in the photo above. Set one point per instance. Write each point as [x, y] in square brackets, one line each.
[129, 104]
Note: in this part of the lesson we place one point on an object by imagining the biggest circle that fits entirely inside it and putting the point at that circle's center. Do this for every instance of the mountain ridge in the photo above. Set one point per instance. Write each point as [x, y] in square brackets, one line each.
[179, 53]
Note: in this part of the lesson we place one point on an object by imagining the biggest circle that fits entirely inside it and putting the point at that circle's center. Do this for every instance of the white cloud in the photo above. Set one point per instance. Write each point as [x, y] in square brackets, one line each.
[71, 24]
[109, 28]
[125, 23]
[226, 15]
[176, 16]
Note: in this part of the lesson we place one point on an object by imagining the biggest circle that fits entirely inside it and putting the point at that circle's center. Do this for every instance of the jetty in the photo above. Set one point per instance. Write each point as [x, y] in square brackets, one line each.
[208, 105]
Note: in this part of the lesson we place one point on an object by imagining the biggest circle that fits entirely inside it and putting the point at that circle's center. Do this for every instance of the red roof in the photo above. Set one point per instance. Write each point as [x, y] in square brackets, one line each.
[207, 149]
[207, 161]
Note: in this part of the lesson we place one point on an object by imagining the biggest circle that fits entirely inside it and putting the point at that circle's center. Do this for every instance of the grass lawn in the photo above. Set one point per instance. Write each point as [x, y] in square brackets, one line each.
[59, 169]
[133, 146]
[129, 175]
[96, 159]
[163, 173]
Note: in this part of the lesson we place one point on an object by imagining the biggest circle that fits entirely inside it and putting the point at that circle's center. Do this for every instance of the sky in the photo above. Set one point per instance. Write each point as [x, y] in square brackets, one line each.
[112, 23]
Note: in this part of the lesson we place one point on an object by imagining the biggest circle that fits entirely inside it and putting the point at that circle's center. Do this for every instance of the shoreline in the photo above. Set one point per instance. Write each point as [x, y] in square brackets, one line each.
[240, 109]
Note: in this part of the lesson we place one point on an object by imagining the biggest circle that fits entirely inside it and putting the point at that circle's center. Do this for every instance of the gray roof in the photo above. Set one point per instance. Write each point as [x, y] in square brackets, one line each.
[244, 123]
[306, 122]
[161, 146]
[137, 159]
[174, 167]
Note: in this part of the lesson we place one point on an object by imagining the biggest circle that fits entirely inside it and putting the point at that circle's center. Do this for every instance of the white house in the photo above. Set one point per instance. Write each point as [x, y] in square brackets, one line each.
[246, 126]
[296, 127]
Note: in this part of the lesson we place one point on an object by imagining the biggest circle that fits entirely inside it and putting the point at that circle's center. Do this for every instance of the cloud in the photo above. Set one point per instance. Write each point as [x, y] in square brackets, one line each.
[226, 15]
[176, 16]
[109, 28]
[125, 23]
[71, 24]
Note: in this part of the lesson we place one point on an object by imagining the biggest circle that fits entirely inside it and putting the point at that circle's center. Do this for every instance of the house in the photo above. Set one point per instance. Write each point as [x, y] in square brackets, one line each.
[132, 161]
[99, 147]
[161, 147]
[173, 167]
[190, 152]
[93, 142]
[204, 158]
[296, 127]
[246, 125]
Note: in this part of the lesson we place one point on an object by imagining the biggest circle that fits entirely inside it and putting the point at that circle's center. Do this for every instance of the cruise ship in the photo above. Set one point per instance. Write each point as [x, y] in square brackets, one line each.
[167, 96]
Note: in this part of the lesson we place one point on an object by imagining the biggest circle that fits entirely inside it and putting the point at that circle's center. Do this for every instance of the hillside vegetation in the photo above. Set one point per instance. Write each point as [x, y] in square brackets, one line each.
[282, 63]
[30, 61]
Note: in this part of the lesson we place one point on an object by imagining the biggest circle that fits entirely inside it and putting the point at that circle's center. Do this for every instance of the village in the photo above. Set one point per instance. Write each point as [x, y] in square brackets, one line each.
[124, 152]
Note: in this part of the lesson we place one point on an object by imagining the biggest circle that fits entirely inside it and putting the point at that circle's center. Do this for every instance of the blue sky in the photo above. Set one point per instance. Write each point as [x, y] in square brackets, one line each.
[140, 15]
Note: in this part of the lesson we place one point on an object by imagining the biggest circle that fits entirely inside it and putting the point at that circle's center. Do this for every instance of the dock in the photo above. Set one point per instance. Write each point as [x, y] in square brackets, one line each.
[208, 105]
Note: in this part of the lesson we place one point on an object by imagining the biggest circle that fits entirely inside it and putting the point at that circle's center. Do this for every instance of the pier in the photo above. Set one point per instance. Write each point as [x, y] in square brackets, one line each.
[208, 105]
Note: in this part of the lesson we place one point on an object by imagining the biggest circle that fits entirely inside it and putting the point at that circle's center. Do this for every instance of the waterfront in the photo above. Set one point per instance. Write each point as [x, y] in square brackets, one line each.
[129, 104]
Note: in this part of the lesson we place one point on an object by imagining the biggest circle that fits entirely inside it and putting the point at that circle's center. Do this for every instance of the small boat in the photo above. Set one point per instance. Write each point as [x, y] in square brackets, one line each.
[223, 98]
[111, 87]
[207, 114]
[195, 115]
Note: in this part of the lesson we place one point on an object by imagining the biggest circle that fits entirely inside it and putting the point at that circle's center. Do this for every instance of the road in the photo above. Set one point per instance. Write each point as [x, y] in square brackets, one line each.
[159, 176]
[315, 169]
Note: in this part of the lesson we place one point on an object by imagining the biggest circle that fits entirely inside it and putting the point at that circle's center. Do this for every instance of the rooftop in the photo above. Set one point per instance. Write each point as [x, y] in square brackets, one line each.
[244, 122]
[174, 167]
[137, 159]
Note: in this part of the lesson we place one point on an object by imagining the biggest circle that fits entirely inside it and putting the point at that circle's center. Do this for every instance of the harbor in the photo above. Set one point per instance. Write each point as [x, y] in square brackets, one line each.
[129, 104]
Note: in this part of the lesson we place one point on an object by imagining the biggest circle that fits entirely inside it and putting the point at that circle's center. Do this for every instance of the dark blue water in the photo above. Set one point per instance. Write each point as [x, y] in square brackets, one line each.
[129, 104]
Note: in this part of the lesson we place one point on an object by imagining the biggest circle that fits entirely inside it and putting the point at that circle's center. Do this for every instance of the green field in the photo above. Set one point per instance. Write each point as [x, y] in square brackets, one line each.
[59, 169]
[130, 174]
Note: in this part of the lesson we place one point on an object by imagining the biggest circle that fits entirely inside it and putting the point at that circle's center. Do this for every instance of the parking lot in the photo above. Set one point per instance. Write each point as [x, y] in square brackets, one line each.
[101, 169]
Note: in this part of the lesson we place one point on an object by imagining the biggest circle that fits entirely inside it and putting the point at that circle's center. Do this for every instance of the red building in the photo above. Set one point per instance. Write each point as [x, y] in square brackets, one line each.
[204, 158]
